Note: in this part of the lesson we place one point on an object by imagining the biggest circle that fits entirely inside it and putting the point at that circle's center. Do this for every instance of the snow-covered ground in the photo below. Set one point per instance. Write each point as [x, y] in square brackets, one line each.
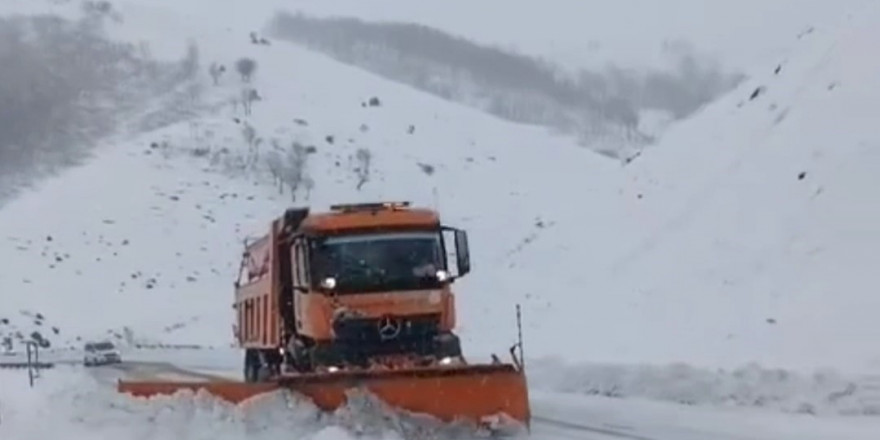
[729, 265]
[82, 404]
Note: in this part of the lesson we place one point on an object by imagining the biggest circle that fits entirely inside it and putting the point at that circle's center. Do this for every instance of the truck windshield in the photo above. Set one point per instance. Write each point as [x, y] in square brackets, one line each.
[380, 262]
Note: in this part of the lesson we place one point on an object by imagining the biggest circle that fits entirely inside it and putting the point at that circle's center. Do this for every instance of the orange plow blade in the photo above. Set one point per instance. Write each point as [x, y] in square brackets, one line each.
[478, 393]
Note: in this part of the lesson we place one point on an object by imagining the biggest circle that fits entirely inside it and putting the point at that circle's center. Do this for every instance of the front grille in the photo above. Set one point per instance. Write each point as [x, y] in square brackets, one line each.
[388, 335]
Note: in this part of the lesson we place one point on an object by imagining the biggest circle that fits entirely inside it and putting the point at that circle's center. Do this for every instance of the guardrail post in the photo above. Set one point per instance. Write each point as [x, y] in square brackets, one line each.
[33, 361]
[522, 353]
[30, 363]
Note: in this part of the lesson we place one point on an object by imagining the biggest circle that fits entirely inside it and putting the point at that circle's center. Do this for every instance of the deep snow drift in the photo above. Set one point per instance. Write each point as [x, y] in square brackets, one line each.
[82, 404]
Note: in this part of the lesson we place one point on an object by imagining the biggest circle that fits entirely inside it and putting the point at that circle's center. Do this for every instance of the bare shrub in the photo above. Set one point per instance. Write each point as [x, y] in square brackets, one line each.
[363, 157]
[245, 67]
[253, 141]
[293, 172]
[216, 71]
[248, 96]
[273, 161]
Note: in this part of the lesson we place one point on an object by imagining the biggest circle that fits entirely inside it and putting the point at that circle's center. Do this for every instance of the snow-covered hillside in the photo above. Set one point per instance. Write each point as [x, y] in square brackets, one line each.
[148, 235]
[67, 75]
[578, 34]
[745, 236]
[751, 227]
[588, 75]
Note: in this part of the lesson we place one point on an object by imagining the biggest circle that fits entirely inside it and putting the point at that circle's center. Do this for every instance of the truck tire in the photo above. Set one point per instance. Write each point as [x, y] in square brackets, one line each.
[270, 365]
[447, 345]
[299, 356]
[327, 355]
[251, 366]
[261, 365]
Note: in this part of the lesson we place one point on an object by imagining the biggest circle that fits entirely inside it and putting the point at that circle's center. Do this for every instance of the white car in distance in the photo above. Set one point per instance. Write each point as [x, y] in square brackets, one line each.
[101, 353]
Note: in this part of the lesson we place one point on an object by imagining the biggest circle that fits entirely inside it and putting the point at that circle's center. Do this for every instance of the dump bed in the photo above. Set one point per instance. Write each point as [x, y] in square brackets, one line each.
[258, 322]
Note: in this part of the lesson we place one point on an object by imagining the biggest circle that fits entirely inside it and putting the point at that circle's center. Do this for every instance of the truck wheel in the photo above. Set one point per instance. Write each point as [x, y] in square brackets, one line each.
[326, 355]
[299, 356]
[260, 365]
[447, 345]
[268, 363]
[251, 366]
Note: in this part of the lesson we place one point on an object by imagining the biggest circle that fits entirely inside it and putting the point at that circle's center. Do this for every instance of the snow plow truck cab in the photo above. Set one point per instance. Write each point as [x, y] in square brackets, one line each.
[360, 286]
[360, 297]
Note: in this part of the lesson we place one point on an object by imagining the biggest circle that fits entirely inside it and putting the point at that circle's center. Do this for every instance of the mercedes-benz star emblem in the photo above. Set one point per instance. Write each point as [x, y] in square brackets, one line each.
[389, 327]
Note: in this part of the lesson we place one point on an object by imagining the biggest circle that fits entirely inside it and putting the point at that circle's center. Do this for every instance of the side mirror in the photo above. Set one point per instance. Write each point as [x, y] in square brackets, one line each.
[456, 243]
[462, 253]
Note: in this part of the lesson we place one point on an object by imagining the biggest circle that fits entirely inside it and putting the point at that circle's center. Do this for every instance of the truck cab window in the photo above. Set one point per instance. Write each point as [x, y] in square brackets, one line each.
[380, 262]
[300, 265]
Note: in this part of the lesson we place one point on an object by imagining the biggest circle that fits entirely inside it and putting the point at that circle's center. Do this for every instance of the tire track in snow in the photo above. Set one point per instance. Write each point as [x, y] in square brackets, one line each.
[582, 431]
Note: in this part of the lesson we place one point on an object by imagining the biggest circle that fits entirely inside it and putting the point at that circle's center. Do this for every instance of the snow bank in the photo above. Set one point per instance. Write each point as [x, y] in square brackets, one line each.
[822, 393]
[640, 418]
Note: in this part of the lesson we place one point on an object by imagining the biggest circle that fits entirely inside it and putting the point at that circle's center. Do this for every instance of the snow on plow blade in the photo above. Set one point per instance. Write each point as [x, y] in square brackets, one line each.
[481, 394]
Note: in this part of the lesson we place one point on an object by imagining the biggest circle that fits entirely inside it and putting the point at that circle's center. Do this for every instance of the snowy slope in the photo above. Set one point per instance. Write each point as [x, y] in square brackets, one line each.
[67, 75]
[151, 241]
[616, 89]
[579, 34]
[752, 226]
[586, 74]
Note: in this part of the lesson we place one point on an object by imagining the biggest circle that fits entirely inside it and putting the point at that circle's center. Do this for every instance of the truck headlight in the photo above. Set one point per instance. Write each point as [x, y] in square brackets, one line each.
[328, 283]
[442, 275]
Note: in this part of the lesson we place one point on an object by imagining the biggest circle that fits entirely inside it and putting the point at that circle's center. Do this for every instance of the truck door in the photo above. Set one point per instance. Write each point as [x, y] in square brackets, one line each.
[300, 275]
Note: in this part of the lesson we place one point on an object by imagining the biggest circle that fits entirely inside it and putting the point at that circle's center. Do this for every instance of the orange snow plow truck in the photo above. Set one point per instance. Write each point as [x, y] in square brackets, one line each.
[359, 298]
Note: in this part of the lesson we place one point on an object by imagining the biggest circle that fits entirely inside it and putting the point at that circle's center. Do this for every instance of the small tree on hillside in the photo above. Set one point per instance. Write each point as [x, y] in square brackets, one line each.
[294, 171]
[245, 67]
[363, 158]
[216, 71]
